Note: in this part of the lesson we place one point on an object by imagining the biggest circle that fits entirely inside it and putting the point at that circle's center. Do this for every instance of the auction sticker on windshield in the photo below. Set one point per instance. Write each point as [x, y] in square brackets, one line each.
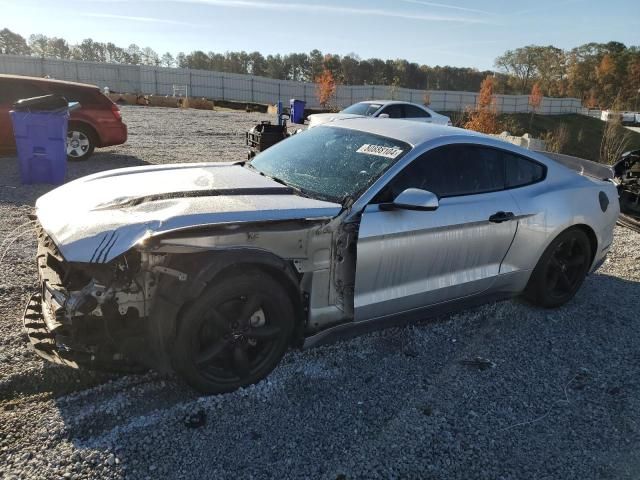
[380, 151]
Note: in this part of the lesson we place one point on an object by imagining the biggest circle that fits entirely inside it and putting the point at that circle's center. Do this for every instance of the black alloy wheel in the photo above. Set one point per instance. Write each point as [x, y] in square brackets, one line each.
[561, 270]
[235, 334]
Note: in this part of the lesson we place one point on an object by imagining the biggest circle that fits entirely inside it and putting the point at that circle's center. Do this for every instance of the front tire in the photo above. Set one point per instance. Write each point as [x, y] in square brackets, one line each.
[81, 142]
[561, 270]
[234, 334]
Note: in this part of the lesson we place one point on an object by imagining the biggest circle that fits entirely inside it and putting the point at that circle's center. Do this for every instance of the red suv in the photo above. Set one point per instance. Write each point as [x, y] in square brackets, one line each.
[97, 123]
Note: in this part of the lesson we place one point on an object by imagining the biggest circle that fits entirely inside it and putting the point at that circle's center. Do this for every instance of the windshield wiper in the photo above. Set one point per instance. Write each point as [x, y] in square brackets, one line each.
[250, 166]
[280, 181]
[275, 179]
[297, 190]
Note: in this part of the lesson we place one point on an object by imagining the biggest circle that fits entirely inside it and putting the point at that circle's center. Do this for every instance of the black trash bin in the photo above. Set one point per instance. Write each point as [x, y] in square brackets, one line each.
[264, 135]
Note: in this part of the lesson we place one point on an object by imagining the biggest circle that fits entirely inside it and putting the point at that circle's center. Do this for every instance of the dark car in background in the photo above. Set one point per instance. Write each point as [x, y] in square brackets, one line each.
[97, 123]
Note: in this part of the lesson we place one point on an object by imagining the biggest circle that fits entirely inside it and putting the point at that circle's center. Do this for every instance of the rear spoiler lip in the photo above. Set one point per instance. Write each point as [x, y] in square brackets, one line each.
[581, 165]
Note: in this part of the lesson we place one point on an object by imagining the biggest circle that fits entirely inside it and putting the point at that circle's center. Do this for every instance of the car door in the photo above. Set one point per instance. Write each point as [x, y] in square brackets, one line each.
[408, 259]
[417, 114]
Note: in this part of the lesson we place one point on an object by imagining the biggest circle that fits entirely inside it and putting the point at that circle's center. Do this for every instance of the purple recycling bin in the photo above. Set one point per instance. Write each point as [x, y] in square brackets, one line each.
[297, 111]
[41, 141]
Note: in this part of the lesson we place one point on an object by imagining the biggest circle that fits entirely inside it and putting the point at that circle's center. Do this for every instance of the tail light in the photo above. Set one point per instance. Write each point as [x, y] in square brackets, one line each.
[116, 112]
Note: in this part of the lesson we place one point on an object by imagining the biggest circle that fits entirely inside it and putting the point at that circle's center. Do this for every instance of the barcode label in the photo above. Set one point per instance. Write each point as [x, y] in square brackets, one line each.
[379, 150]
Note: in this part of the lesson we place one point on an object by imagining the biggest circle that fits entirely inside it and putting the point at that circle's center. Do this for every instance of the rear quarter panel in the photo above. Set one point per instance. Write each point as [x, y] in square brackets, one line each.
[565, 199]
[95, 111]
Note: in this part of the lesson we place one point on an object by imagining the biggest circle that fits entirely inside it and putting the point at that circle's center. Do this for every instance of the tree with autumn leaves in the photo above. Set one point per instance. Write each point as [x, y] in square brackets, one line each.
[325, 88]
[483, 117]
[535, 101]
[600, 74]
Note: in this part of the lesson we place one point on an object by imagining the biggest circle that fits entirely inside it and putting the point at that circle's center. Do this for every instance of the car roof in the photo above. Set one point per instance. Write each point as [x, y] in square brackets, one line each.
[407, 131]
[46, 80]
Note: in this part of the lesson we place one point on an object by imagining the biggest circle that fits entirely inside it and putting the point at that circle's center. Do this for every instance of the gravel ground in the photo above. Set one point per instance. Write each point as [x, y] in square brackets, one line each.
[505, 391]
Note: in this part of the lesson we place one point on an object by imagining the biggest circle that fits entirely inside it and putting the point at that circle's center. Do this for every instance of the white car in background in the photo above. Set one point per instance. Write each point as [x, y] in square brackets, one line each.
[382, 109]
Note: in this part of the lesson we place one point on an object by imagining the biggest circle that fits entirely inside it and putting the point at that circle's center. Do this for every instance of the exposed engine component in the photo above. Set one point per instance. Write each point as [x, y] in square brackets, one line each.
[92, 314]
[627, 174]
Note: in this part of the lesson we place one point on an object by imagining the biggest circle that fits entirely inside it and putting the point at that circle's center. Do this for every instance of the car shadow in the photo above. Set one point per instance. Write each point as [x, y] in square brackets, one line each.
[116, 406]
[609, 290]
[12, 190]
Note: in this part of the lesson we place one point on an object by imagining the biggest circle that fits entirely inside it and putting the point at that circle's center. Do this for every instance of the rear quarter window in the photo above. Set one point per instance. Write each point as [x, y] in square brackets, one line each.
[414, 112]
[520, 171]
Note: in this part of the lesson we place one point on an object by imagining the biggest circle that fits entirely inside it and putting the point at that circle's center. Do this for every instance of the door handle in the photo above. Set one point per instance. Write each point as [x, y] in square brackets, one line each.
[500, 217]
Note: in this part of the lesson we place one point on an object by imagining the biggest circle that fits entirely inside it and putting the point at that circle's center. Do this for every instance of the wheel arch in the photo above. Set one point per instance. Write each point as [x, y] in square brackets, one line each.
[591, 235]
[89, 126]
[588, 231]
[172, 296]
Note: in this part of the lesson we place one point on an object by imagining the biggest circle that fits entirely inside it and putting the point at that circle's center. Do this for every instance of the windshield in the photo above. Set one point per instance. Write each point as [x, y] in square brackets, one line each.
[365, 109]
[330, 163]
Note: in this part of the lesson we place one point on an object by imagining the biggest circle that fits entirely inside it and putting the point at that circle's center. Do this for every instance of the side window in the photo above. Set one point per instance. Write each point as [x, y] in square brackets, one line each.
[451, 171]
[520, 172]
[85, 96]
[14, 90]
[411, 111]
[394, 111]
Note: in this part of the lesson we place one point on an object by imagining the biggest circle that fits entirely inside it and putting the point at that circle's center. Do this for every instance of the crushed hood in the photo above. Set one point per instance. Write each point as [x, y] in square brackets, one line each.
[98, 217]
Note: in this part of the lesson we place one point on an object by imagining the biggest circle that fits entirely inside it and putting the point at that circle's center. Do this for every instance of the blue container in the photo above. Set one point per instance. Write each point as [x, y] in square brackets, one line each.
[297, 111]
[41, 141]
[279, 112]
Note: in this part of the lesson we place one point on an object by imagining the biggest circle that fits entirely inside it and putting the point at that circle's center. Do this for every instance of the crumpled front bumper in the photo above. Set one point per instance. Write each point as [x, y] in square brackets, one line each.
[44, 341]
[61, 334]
[62, 348]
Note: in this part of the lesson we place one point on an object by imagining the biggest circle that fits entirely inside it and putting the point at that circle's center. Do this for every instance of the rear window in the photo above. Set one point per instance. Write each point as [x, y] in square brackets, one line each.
[86, 96]
[14, 90]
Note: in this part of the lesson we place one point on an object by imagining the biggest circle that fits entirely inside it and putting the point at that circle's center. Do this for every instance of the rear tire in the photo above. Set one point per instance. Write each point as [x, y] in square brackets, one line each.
[561, 270]
[81, 142]
[234, 334]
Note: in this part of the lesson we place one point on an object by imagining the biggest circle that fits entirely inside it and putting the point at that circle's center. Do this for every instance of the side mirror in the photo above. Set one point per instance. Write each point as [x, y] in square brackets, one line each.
[384, 115]
[416, 199]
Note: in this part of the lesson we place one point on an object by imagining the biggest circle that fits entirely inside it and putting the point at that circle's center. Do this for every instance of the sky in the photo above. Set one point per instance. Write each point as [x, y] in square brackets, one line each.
[461, 33]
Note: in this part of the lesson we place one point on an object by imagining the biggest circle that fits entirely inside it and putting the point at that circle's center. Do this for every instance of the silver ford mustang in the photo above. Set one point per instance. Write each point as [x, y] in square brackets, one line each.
[214, 270]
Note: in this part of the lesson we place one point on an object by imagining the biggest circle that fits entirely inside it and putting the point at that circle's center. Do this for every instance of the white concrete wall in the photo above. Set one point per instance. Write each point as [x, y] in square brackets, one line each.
[249, 88]
[525, 141]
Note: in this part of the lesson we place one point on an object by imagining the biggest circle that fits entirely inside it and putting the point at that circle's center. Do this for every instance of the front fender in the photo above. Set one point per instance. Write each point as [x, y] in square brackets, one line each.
[202, 269]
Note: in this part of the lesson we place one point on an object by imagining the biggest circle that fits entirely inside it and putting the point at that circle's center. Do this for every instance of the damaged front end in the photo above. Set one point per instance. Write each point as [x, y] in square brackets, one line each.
[112, 284]
[90, 314]
[627, 175]
[122, 315]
